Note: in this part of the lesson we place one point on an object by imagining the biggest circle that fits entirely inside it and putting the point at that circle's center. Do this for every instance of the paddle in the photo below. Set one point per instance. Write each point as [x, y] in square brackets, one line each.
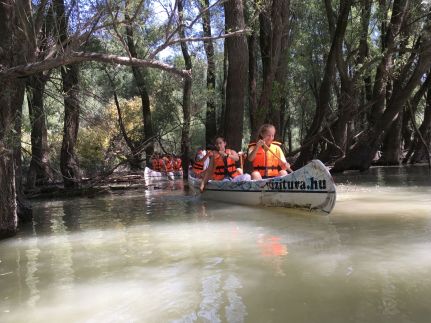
[267, 148]
[241, 155]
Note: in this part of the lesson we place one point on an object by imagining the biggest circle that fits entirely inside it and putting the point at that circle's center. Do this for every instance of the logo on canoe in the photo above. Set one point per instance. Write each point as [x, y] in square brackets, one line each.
[310, 185]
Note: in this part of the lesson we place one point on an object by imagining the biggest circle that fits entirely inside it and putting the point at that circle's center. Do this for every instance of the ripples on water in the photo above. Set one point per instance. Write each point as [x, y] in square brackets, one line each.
[162, 255]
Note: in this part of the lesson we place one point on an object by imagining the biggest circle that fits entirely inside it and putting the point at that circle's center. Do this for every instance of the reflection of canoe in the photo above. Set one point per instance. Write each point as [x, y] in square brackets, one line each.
[152, 174]
[310, 187]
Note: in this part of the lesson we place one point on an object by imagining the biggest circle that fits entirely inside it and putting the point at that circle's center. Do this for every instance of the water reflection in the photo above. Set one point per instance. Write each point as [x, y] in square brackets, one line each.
[272, 249]
[161, 255]
[31, 279]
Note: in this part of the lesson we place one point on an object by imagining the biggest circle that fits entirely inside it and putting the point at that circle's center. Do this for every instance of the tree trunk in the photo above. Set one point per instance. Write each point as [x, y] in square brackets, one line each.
[421, 153]
[13, 52]
[39, 172]
[145, 98]
[273, 27]
[69, 164]
[310, 142]
[237, 74]
[210, 121]
[347, 106]
[221, 123]
[410, 112]
[187, 95]
[279, 108]
[68, 160]
[134, 159]
[252, 80]
[363, 52]
[399, 8]
[24, 211]
[8, 206]
[392, 152]
[361, 155]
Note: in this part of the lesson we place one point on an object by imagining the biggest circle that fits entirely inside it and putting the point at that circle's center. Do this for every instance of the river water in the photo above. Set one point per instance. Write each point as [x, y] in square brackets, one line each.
[163, 255]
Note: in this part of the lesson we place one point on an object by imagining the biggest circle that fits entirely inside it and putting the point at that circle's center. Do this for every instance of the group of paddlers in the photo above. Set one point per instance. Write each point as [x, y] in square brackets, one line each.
[220, 163]
[166, 163]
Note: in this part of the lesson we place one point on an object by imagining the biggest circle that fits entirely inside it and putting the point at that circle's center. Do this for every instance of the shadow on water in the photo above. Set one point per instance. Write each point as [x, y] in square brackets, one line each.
[164, 255]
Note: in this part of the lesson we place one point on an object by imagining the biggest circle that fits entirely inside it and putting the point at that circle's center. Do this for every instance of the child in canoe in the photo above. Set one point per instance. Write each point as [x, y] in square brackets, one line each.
[222, 165]
[266, 155]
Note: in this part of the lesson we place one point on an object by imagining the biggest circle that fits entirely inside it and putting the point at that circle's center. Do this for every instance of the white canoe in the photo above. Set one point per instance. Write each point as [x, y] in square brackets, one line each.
[310, 187]
[150, 174]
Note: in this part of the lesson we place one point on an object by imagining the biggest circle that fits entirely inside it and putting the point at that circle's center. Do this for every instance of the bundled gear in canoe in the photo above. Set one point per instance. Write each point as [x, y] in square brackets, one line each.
[266, 162]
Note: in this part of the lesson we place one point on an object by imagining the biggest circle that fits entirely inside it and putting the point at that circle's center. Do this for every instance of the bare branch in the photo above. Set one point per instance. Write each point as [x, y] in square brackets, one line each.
[168, 40]
[194, 39]
[77, 57]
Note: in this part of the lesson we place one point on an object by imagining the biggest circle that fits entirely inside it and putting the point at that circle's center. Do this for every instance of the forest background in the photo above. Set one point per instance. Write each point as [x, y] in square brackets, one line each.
[91, 87]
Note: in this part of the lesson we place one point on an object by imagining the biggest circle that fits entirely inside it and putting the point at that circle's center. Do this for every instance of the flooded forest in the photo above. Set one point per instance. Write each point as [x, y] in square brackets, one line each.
[93, 91]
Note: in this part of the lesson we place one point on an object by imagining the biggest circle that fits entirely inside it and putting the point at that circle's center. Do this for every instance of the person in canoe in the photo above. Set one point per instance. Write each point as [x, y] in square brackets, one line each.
[155, 163]
[201, 162]
[168, 164]
[177, 164]
[266, 155]
[222, 165]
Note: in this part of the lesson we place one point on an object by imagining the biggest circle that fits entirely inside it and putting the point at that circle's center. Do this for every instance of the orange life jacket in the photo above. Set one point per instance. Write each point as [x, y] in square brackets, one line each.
[265, 162]
[198, 167]
[168, 165]
[224, 167]
[177, 164]
[155, 165]
[161, 165]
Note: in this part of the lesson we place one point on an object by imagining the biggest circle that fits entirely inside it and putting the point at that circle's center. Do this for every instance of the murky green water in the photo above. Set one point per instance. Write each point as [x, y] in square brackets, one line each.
[163, 256]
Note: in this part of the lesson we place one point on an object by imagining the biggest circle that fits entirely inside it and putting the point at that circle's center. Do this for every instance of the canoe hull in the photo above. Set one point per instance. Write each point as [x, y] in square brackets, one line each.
[310, 187]
[150, 174]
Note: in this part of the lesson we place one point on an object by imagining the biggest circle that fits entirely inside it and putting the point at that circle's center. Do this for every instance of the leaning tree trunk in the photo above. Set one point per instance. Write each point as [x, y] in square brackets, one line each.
[237, 74]
[210, 120]
[39, 172]
[187, 95]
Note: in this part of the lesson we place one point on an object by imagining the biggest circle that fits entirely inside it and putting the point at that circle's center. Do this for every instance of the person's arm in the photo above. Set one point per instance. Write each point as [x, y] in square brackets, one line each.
[232, 155]
[252, 154]
[204, 158]
[208, 174]
[284, 164]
